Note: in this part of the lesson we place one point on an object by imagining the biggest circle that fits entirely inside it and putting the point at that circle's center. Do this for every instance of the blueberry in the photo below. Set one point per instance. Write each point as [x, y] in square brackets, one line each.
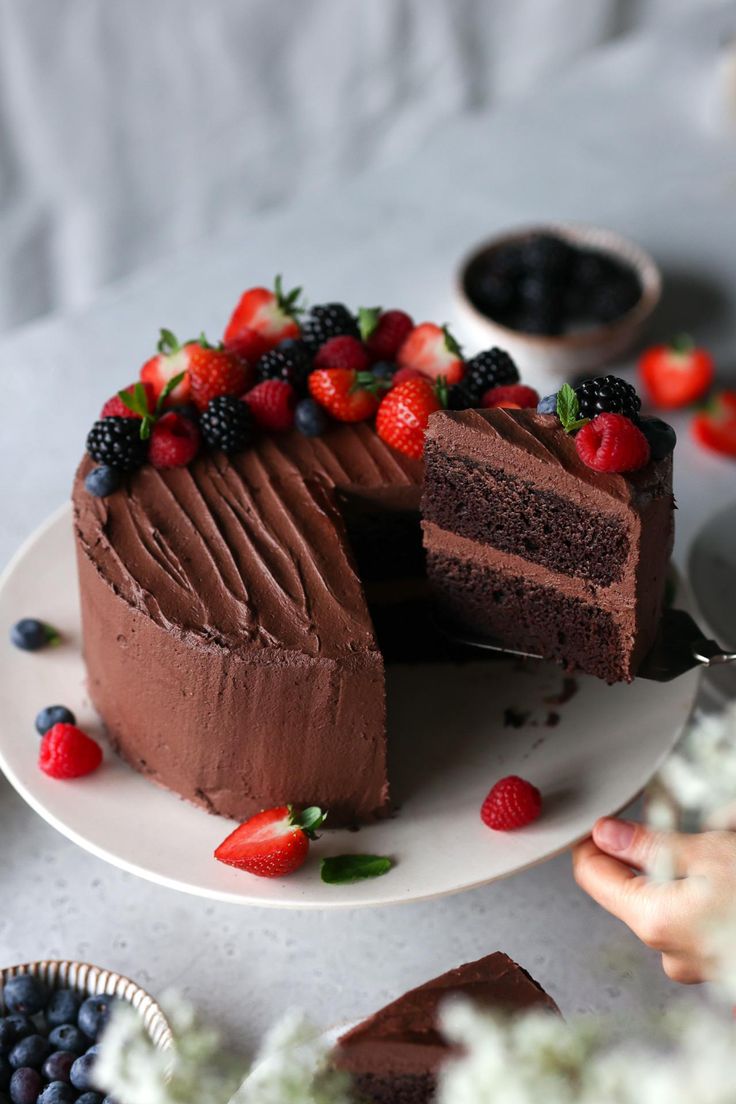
[94, 1014]
[103, 481]
[46, 719]
[31, 634]
[25, 994]
[7, 1036]
[82, 1071]
[383, 369]
[68, 1037]
[6, 1071]
[92, 1098]
[57, 1065]
[31, 1051]
[13, 1028]
[57, 1092]
[109, 1100]
[547, 405]
[310, 418]
[63, 1006]
[25, 1085]
[661, 436]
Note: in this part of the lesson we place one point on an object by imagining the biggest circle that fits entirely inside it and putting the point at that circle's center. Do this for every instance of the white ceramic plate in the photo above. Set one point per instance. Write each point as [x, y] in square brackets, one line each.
[448, 745]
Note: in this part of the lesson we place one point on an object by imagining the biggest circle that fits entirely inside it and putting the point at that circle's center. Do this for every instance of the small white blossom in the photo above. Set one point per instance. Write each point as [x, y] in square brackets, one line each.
[292, 1067]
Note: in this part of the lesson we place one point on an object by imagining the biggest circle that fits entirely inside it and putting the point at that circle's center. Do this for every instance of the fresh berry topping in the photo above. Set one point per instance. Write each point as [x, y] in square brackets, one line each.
[515, 396]
[310, 418]
[607, 394]
[384, 332]
[460, 397]
[612, 443]
[81, 1074]
[715, 427]
[25, 1086]
[25, 994]
[273, 843]
[676, 374]
[94, 1015]
[433, 351]
[384, 369]
[342, 394]
[272, 404]
[30, 634]
[342, 352]
[30, 1052]
[103, 481]
[51, 715]
[492, 368]
[511, 803]
[325, 321]
[68, 1037]
[57, 1067]
[67, 752]
[117, 442]
[63, 1007]
[290, 361]
[661, 436]
[227, 424]
[270, 314]
[185, 410]
[404, 413]
[117, 408]
[174, 442]
[214, 372]
[401, 375]
[171, 360]
[249, 346]
[547, 405]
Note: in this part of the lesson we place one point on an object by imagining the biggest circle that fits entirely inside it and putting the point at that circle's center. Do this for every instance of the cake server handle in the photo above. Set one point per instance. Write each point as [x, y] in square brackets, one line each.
[680, 646]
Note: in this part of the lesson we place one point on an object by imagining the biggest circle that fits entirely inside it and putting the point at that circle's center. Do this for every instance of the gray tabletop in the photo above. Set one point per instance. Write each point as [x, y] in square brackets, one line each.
[640, 141]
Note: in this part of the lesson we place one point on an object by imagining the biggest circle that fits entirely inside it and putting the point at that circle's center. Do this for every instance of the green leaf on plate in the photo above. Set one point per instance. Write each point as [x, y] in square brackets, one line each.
[342, 869]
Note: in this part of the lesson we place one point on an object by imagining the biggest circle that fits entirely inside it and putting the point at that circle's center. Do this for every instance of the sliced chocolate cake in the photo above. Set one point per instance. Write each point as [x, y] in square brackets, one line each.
[393, 1057]
[528, 544]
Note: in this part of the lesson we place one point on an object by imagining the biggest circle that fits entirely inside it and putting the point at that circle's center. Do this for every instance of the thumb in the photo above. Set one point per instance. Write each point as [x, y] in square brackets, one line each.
[642, 847]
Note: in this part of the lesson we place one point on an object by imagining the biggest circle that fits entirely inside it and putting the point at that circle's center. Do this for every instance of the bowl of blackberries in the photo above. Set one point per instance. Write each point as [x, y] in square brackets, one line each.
[53, 1015]
[562, 298]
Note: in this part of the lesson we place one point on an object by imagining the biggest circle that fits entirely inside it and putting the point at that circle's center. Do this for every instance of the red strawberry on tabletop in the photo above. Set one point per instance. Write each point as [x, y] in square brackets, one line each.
[172, 359]
[116, 408]
[612, 443]
[384, 332]
[512, 396]
[676, 374]
[341, 392]
[270, 314]
[511, 803]
[404, 414]
[214, 371]
[342, 352]
[273, 843]
[715, 425]
[432, 350]
[67, 752]
[174, 441]
[272, 404]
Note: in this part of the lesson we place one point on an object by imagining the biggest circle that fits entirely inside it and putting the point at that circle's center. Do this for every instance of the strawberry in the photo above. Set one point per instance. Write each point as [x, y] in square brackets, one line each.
[271, 314]
[401, 375]
[676, 374]
[612, 443]
[342, 352]
[67, 752]
[404, 413]
[174, 441]
[116, 408]
[384, 332]
[273, 843]
[340, 392]
[249, 345]
[434, 351]
[715, 426]
[511, 803]
[171, 360]
[512, 396]
[272, 404]
[213, 371]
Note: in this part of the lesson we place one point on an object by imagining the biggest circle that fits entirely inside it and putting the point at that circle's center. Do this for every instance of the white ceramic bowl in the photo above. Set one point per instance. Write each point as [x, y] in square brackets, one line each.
[547, 361]
[93, 981]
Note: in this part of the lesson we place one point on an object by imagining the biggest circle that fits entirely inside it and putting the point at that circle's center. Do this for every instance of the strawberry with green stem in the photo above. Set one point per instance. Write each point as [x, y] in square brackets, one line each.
[272, 843]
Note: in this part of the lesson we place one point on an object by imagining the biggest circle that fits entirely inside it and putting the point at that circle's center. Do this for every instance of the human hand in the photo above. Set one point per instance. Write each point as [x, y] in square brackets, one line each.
[673, 917]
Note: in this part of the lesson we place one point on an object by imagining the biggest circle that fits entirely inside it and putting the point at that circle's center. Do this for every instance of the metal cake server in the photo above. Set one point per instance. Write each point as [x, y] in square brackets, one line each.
[679, 647]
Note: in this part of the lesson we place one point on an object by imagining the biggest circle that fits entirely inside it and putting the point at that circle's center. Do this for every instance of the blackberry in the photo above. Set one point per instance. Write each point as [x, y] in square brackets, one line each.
[611, 300]
[227, 424]
[326, 321]
[609, 394]
[459, 397]
[290, 361]
[546, 253]
[117, 442]
[493, 293]
[489, 369]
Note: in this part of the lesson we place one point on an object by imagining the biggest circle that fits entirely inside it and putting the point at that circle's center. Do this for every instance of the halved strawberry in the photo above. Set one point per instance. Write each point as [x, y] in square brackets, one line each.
[117, 408]
[270, 314]
[273, 843]
[433, 351]
[341, 392]
[214, 371]
[171, 360]
[715, 426]
[676, 374]
[404, 413]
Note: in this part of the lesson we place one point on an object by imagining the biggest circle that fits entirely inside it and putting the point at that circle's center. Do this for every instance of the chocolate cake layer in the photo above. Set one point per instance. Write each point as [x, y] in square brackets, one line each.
[228, 642]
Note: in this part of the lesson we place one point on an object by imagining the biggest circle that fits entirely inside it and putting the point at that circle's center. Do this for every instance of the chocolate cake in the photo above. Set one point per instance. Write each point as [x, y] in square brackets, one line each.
[528, 544]
[393, 1057]
[229, 645]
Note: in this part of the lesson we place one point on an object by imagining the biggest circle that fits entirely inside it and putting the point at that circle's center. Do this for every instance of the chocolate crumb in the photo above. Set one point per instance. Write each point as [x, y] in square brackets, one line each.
[514, 718]
[569, 690]
[553, 719]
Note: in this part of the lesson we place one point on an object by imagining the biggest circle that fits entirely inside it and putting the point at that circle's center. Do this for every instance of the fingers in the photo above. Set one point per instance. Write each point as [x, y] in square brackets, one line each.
[645, 849]
[682, 969]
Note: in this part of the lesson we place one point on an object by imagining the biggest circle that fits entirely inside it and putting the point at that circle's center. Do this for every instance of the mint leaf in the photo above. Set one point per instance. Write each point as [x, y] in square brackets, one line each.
[53, 636]
[343, 869]
[168, 388]
[367, 321]
[451, 344]
[309, 820]
[167, 343]
[568, 409]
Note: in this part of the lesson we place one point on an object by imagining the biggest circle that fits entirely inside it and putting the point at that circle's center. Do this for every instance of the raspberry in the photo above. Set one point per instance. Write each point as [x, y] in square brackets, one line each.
[391, 330]
[174, 442]
[67, 752]
[517, 396]
[511, 803]
[612, 443]
[116, 408]
[272, 404]
[342, 352]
